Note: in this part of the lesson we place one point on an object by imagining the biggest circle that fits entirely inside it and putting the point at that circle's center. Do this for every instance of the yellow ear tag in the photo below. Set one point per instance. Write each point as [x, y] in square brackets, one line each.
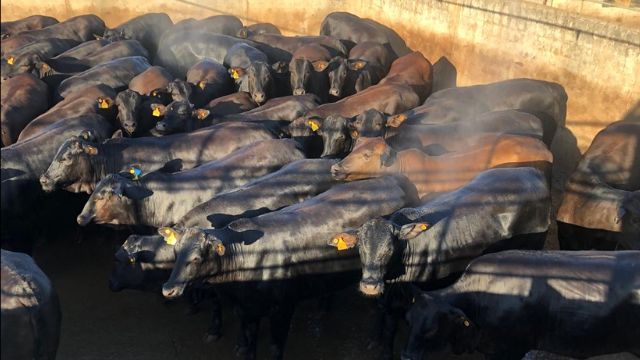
[234, 74]
[202, 85]
[103, 104]
[156, 112]
[10, 60]
[423, 227]
[313, 125]
[341, 245]
[171, 239]
[466, 323]
[358, 65]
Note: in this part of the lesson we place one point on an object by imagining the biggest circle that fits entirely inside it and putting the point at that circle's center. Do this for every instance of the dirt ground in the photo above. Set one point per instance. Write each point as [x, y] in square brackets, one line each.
[132, 325]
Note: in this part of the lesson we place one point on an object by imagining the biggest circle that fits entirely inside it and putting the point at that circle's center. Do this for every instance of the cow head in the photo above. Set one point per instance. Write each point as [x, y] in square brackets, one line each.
[115, 201]
[338, 69]
[177, 117]
[335, 134]
[377, 241]
[300, 70]
[142, 262]
[14, 65]
[180, 90]
[370, 123]
[196, 253]
[434, 324]
[72, 166]
[371, 157]
[114, 35]
[129, 106]
[260, 81]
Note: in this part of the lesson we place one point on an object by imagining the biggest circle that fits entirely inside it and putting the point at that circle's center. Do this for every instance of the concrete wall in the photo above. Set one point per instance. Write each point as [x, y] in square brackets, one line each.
[597, 61]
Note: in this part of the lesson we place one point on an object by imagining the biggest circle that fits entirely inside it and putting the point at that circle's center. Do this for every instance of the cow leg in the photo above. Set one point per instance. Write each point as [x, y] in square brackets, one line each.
[390, 325]
[280, 324]
[214, 332]
[247, 342]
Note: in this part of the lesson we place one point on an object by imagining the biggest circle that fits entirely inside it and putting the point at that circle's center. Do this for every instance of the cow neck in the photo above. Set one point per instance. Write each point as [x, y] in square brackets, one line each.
[232, 259]
[410, 162]
[101, 164]
[149, 207]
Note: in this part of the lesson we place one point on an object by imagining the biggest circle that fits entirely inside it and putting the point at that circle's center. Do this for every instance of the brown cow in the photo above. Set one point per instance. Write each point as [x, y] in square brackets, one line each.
[97, 99]
[372, 157]
[153, 78]
[601, 204]
[23, 98]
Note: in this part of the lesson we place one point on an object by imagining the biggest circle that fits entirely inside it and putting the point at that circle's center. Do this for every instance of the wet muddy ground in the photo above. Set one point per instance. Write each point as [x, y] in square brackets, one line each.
[100, 324]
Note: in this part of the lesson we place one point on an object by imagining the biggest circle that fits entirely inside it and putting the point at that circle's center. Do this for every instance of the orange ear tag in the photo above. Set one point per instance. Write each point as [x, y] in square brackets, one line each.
[341, 245]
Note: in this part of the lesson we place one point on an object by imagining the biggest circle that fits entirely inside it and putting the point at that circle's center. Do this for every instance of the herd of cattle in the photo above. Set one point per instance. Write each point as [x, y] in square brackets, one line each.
[282, 168]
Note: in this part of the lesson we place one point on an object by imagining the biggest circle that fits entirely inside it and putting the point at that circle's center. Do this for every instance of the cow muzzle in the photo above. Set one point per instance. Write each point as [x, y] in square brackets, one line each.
[83, 219]
[371, 287]
[172, 291]
[299, 91]
[338, 172]
[47, 184]
[335, 92]
[259, 98]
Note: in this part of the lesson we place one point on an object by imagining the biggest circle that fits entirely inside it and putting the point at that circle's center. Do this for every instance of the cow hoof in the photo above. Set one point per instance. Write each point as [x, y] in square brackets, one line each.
[210, 338]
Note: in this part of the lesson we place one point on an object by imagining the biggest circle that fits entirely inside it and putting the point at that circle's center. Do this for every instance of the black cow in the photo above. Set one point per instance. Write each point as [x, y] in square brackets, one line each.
[368, 63]
[136, 112]
[274, 114]
[250, 69]
[24, 97]
[34, 22]
[116, 74]
[293, 183]
[147, 29]
[528, 95]
[83, 50]
[258, 28]
[27, 58]
[209, 80]
[150, 80]
[339, 134]
[96, 99]
[434, 242]
[79, 28]
[284, 249]
[30, 310]
[354, 30]
[79, 164]
[577, 304]
[235, 103]
[54, 71]
[161, 198]
[181, 49]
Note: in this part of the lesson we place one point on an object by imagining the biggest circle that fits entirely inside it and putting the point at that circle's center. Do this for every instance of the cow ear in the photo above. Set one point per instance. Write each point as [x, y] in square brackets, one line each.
[98, 37]
[388, 157]
[344, 240]
[169, 234]
[157, 110]
[320, 65]
[87, 135]
[90, 149]
[104, 102]
[216, 245]
[117, 134]
[314, 124]
[236, 73]
[396, 120]
[200, 114]
[409, 231]
[280, 67]
[136, 192]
